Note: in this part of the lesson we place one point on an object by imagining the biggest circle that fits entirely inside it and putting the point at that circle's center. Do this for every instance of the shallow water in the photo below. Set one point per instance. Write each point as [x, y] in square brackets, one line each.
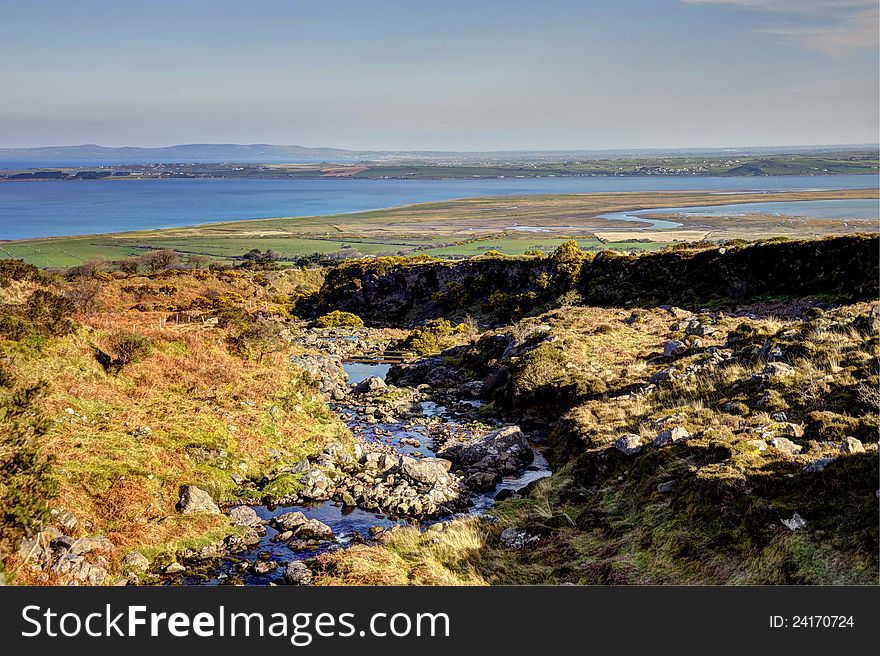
[52, 208]
[348, 523]
[855, 210]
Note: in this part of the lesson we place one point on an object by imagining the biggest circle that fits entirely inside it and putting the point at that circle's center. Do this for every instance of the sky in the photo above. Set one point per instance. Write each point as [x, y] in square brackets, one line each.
[450, 75]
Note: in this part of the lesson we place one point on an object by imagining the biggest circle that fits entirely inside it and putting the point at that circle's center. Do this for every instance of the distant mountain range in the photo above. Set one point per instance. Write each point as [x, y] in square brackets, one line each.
[91, 154]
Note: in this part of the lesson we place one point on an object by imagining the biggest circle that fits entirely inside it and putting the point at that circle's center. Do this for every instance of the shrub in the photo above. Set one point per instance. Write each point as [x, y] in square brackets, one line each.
[26, 481]
[44, 313]
[129, 265]
[260, 338]
[429, 338]
[227, 300]
[17, 270]
[339, 319]
[129, 346]
[199, 261]
[159, 260]
[87, 269]
[83, 294]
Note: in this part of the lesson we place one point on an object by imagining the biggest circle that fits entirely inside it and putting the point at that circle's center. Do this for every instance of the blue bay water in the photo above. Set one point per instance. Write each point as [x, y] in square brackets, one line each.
[51, 208]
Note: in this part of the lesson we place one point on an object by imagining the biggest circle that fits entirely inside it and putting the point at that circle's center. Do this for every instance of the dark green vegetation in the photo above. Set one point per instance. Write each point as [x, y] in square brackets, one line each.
[400, 291]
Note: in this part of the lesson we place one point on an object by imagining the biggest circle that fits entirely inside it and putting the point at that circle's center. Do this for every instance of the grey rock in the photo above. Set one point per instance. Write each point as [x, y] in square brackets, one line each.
[195, 500]
[296, 573]
[665, 376]
[513, 538]
[673, 347]
[676, 434]
[426, 470]
[851, 445]
[371, 384]
[263, 567]
[666, 486]
[796, 523]
[302, 527]
[244, 516]
[629, 443]
[135, 560]
[786, 446]
[773, 372]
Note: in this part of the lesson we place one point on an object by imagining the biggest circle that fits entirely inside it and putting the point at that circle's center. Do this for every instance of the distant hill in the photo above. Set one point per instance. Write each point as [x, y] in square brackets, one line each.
[91, 154]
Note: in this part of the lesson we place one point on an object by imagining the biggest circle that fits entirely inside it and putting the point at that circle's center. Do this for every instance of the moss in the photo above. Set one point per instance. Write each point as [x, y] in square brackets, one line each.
[285, 485]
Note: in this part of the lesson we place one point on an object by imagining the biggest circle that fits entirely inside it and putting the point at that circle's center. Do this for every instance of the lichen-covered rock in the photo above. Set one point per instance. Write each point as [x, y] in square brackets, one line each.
[194, 500]
[296, 573]
[244, 516]
[628, 443]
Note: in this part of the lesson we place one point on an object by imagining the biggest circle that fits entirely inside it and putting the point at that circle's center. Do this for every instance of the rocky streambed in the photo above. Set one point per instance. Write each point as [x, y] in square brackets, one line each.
[414, 461]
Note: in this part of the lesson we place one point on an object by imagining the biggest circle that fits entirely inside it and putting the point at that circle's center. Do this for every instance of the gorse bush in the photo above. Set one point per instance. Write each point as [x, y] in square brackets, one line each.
[19, 271]
[339, 319]
[26, 481]
[44, 314]
[431, 337]
[129, 346]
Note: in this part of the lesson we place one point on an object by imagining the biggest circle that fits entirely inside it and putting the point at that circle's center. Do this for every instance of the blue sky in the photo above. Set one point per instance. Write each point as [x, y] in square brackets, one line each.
[387, 74]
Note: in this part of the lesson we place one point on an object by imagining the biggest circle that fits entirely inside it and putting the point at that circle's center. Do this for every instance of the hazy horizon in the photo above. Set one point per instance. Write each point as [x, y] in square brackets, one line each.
[573, 149]
[555, 76]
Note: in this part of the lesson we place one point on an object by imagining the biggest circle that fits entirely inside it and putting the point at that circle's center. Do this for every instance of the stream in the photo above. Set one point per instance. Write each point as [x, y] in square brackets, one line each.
[352, 525]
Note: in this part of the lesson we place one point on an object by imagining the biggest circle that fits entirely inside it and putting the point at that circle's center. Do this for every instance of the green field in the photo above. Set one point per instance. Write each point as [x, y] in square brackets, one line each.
[458, 228]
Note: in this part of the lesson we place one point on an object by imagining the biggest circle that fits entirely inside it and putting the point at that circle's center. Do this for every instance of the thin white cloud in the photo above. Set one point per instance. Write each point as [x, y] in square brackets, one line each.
[832, 27]
[856, 32]
[794, 6]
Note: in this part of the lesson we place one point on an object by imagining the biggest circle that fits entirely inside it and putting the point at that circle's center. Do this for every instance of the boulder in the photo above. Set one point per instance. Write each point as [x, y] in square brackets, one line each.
[194, 500]
[786, 446]
[677, 434]
[673, 347]
[296, 573]
[426, 471]
[371, 384]
[666, 486]
[851, 445]
[376, 460]
[795, 523]
[513, 538]
[665, 376]
[302, 527]
[488, 451]
[135, 560]
[316, 485]
[244, 516]
[774, 372]
[628, 443]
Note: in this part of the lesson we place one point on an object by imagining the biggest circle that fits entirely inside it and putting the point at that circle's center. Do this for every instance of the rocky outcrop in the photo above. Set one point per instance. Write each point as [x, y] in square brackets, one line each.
[301, 527]
[484, 461]
[327, 372]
